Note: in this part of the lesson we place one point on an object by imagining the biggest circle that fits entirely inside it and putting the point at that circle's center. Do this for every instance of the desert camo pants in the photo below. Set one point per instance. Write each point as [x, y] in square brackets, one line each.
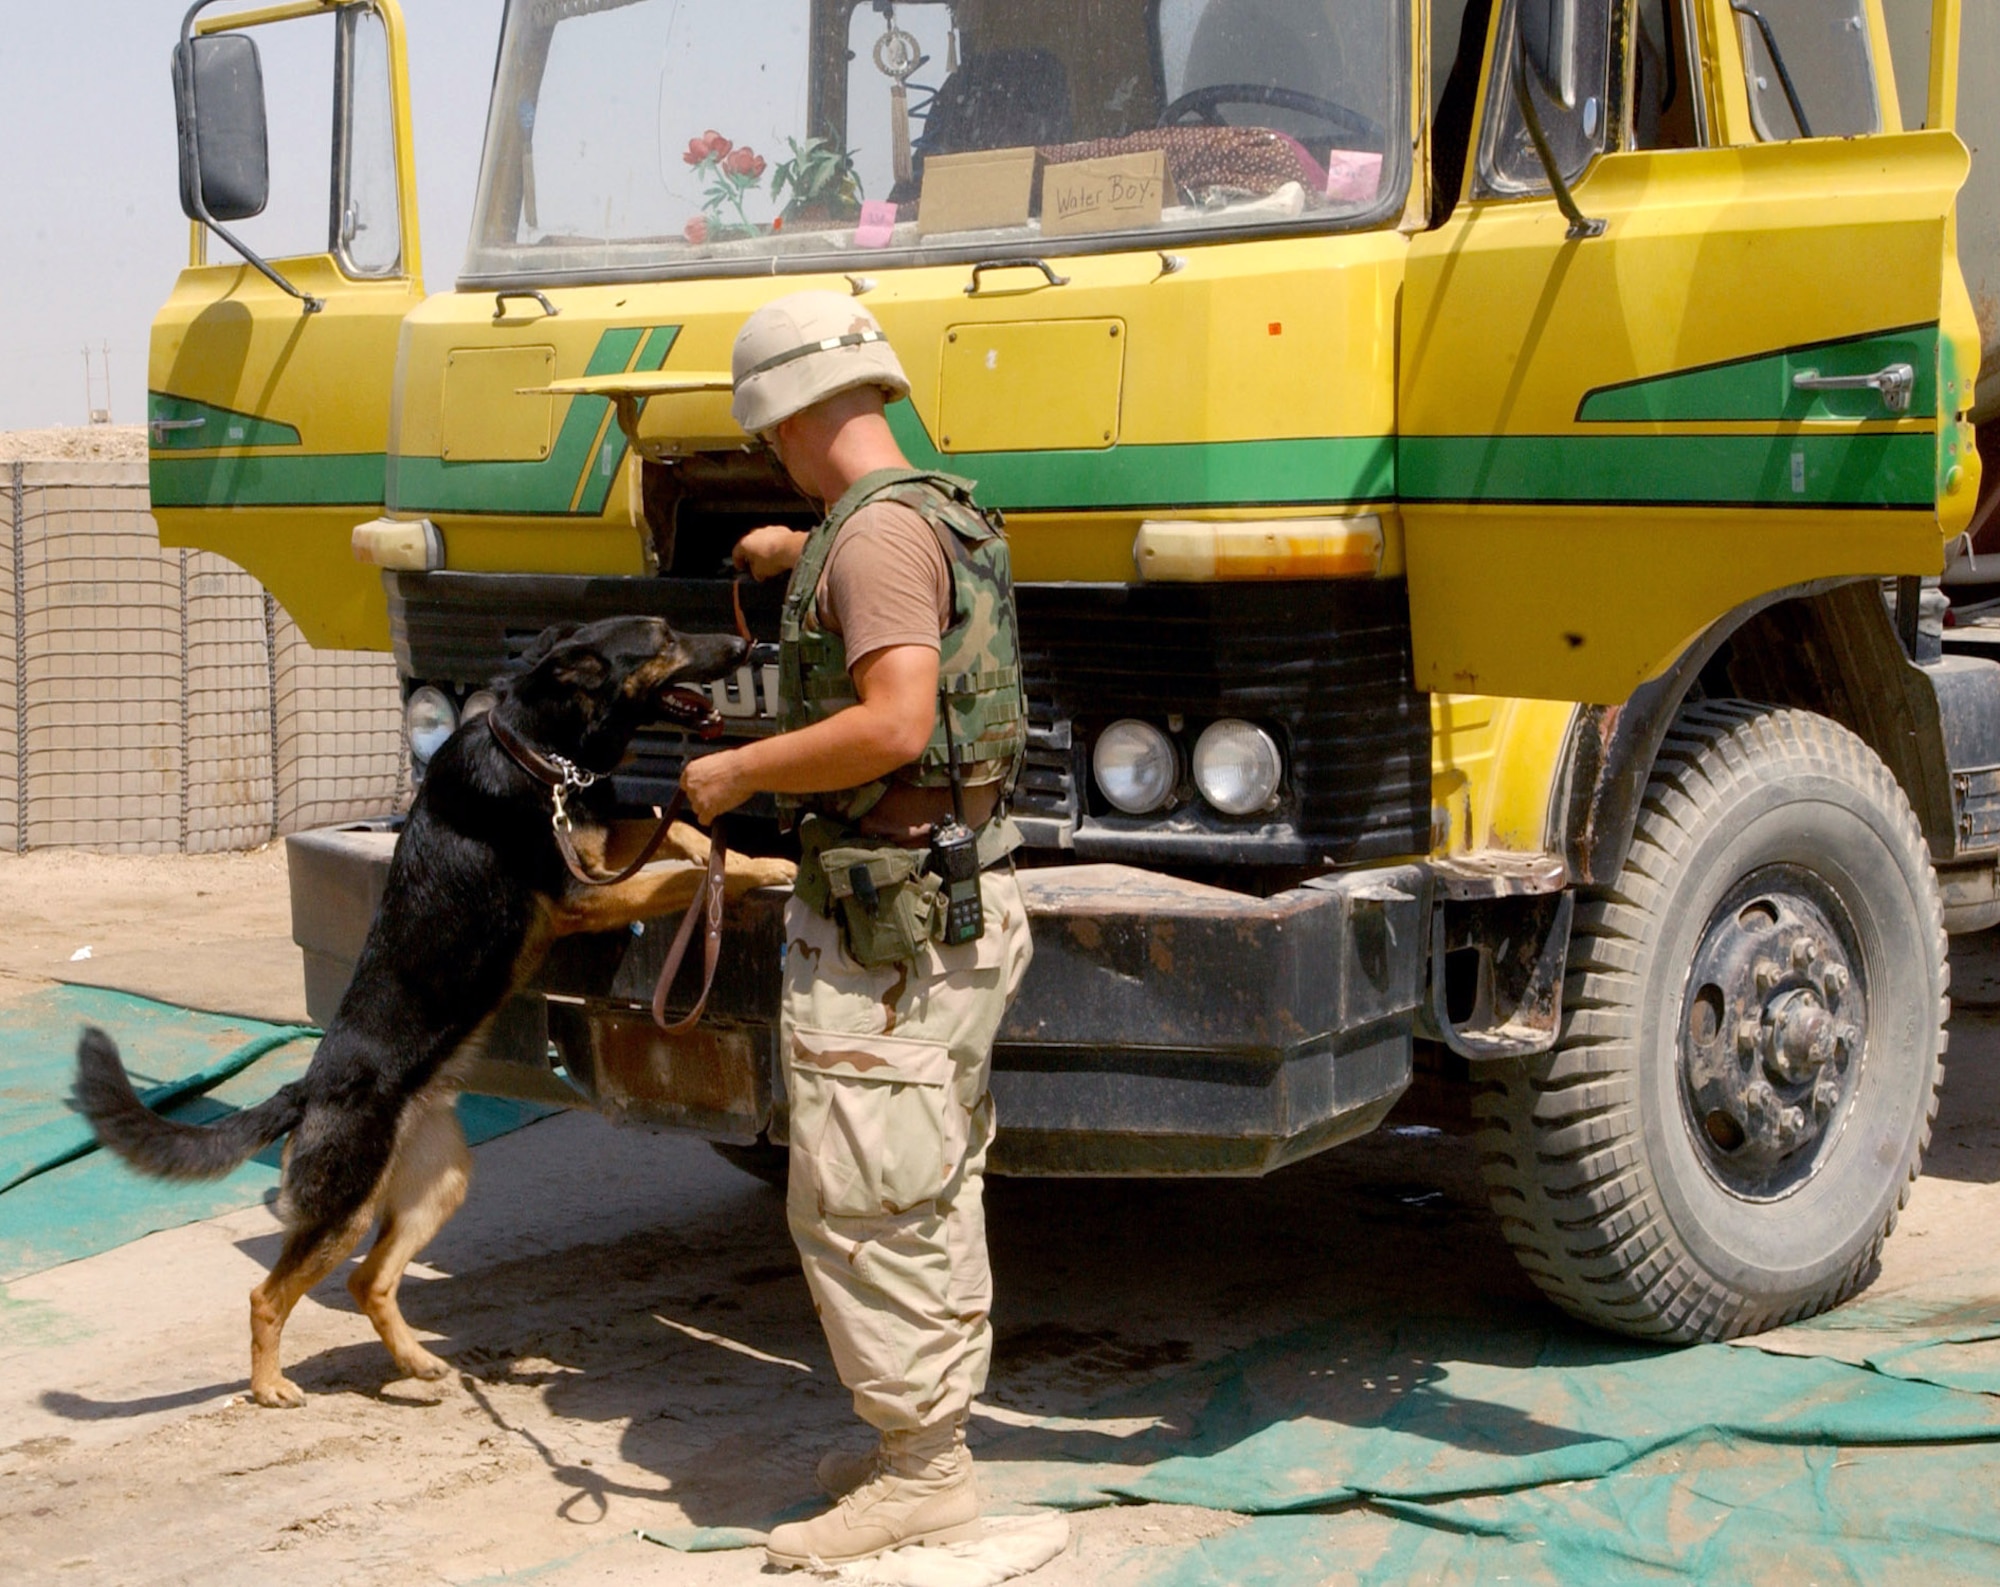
[886, 1071]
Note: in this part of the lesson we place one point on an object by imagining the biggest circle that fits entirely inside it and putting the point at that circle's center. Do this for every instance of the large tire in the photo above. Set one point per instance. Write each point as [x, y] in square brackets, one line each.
[1751, 1047]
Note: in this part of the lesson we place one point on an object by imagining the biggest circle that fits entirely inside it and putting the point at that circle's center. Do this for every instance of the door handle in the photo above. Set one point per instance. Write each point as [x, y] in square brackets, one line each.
[1896, 384]
[972, 289]
[162, 428]
[500, 302]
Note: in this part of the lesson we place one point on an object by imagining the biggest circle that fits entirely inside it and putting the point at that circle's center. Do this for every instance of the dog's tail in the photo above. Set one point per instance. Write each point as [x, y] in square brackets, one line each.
[160, 1146]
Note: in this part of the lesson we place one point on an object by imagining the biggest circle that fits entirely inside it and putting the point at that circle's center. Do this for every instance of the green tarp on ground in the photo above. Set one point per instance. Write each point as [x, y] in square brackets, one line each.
[1447, 1453]
[1443, 1452]
[1719, 1513]
[94, 1203]
[1319, 1418]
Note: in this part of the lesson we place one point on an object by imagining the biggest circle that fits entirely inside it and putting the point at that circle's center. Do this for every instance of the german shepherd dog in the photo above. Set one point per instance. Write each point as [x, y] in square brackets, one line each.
[477, 889]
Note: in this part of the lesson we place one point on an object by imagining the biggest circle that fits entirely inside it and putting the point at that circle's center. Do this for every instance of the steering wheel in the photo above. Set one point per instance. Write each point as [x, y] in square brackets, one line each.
[1203, 105]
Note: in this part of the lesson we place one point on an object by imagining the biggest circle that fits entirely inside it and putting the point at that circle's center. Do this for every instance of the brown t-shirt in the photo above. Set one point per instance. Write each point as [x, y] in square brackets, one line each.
[886, 582]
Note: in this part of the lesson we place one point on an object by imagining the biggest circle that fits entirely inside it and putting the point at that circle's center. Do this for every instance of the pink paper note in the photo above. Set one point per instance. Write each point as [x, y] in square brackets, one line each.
[1353, 176]
[878, 223]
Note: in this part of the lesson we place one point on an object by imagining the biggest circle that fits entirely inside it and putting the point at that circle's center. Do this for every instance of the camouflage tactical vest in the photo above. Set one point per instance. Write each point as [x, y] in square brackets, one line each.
[979, 669]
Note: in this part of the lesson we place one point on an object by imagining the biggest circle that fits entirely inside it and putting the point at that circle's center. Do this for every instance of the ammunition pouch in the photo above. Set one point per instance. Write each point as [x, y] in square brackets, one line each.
[888, 903]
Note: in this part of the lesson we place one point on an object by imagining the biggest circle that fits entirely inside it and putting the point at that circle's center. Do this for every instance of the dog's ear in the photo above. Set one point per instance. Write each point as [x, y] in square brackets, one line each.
[576, 666]
[544, 642]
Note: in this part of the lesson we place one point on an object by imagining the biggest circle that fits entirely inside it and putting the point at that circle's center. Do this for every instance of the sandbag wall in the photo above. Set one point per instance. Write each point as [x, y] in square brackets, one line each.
[158, 701]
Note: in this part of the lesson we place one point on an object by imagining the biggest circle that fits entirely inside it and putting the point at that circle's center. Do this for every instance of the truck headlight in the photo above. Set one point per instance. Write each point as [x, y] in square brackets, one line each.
[428, 720]
[1237, 766]
[1136, 766]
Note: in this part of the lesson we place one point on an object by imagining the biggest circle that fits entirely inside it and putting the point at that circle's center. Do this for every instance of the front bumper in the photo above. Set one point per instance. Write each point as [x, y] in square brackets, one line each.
[1164, 1027]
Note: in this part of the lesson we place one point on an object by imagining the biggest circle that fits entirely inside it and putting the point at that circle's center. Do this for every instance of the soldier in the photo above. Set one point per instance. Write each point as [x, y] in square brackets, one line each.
[903, 729]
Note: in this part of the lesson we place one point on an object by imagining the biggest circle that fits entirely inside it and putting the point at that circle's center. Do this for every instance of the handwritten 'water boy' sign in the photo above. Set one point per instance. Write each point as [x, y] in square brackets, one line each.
[1113, 194]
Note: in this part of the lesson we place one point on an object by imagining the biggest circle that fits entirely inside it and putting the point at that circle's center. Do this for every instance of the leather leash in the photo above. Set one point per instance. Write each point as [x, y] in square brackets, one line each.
[559, 774]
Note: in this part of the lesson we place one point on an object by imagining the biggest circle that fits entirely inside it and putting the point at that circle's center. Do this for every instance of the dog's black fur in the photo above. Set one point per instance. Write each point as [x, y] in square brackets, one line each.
[477, 887]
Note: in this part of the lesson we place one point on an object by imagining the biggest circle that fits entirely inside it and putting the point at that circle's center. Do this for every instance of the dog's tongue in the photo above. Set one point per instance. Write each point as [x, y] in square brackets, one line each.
[692, 710]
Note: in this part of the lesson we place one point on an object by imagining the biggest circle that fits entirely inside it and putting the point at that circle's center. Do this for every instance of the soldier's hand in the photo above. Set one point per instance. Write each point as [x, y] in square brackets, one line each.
[713, 786]
[765, 553]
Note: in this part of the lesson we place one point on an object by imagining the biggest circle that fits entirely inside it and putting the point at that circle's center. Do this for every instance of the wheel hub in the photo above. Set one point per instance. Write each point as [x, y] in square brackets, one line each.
[1774, 1023]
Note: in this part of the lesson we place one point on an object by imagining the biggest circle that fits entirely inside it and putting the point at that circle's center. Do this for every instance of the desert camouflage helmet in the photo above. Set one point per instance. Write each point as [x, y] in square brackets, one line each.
[803, 349]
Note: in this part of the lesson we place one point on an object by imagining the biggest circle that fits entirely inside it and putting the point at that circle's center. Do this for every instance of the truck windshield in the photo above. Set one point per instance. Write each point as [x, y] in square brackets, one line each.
[631, 135]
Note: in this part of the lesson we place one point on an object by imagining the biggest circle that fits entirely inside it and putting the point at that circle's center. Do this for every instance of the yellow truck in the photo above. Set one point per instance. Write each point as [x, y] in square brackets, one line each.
[1477, 472]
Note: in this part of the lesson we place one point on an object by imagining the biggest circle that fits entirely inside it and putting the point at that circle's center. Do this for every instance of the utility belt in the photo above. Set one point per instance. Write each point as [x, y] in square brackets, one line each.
[890, 899]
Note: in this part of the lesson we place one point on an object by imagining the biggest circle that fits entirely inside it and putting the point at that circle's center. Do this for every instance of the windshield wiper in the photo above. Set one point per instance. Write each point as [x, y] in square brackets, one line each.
[1777, 60]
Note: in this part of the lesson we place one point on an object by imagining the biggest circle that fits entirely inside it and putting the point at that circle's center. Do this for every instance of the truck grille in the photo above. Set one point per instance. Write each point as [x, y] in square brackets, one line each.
[1324, 665]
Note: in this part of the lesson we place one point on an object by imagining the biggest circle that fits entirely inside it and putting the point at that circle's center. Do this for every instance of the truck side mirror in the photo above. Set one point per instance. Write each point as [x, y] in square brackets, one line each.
[224, 147]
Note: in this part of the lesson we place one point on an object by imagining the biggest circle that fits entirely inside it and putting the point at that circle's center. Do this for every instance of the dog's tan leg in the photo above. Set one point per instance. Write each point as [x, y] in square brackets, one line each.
[425, 1185]
[668, 889]
[309, 1255]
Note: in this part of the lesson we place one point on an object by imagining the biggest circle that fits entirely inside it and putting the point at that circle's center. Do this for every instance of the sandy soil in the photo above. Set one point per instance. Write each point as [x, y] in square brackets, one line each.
[101, 443]
[58, 901]
[633, 1345]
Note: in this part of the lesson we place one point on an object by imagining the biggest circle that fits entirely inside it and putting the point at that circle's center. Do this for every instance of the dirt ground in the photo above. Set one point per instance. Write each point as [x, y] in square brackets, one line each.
[100, 443]
[226, 942]
[634, 1347]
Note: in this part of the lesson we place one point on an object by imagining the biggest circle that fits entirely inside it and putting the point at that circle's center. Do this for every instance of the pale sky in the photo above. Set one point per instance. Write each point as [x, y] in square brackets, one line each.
[91, 233]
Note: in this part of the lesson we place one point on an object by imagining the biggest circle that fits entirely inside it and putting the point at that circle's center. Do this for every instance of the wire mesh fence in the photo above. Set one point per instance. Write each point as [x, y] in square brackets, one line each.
[13, 677]
[340, 731]
[155, 700]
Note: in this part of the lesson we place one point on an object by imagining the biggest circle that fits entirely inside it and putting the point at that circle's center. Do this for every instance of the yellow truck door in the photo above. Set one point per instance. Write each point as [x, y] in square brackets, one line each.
[270, 380]
[1743, 372]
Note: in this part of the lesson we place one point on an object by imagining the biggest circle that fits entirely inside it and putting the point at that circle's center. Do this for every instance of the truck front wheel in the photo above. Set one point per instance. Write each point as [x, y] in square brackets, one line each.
[1751, 1044]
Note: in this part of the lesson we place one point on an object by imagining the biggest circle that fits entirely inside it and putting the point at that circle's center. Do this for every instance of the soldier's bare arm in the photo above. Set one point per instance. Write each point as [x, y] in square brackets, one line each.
[765, 553]
[897, 688]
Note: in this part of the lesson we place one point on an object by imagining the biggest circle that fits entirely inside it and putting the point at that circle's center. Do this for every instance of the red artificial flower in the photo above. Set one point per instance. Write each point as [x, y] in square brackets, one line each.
[744, 162]
[696, 230]
[711, 145]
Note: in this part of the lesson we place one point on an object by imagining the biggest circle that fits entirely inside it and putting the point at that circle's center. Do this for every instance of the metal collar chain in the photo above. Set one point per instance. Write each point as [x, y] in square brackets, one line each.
[573, 776]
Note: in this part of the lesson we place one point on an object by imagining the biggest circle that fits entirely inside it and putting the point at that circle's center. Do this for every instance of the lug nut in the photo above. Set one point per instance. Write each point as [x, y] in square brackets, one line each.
[1835, 979]
[1804, 951]
[1747, 1033]
[1765, 975]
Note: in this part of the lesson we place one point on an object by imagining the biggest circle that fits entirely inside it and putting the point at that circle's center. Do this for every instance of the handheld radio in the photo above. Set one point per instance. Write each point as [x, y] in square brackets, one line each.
[954, 857]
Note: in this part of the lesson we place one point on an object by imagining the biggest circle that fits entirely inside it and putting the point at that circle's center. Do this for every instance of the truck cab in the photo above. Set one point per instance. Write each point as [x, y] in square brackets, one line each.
[1452, 452]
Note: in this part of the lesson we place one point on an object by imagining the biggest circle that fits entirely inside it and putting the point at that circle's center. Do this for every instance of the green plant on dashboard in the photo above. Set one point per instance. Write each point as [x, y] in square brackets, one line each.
[822, 179]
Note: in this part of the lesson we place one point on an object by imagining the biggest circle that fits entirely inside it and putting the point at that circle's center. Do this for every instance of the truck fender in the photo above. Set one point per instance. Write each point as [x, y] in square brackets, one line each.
[1829, 646]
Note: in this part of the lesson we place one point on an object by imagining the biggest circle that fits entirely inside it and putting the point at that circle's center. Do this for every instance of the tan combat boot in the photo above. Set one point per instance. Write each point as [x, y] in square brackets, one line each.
[922, 1491]
[841, 1471]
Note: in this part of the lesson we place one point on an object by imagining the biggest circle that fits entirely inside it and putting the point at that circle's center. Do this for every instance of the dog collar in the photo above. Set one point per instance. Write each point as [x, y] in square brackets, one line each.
[558, 772]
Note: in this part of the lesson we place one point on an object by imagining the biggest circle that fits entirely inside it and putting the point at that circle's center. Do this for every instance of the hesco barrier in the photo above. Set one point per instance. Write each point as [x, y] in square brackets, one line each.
[157, 701]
